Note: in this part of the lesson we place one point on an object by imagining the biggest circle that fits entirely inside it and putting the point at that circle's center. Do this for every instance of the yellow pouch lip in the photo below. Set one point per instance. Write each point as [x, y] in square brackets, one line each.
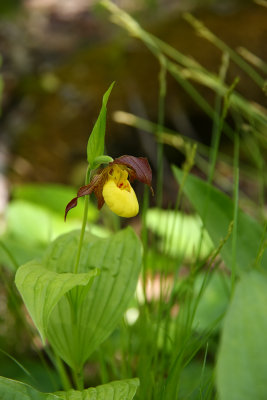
[121, 201]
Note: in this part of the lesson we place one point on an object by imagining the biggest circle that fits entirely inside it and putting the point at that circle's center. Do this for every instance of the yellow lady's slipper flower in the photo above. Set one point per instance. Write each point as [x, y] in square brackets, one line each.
[111, 185]
[119, 194]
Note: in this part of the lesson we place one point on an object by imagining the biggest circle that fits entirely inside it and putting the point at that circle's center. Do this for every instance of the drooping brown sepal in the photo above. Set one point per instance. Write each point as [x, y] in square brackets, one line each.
[96, 186]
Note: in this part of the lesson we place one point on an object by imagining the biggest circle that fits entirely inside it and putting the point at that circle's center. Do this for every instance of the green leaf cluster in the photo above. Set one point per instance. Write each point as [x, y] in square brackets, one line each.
[117, 390]
[77, 312]
[42, 289]
[241, 364]
[216, 212]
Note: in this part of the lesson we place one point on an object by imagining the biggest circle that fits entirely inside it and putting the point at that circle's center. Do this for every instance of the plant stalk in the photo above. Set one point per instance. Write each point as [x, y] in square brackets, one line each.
[78, 379]
[62, 372]
[85, 214]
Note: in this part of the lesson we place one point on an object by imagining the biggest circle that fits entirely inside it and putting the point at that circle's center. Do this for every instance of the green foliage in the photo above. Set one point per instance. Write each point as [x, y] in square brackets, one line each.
[42, 289]
[117, 390]
[30, 228]
[34, 217]
[52, 197]
[28, 222]
[96, 142]
[185, 297]
[217, 212]
[43, 377]
[81, 321]
[214, 301]
[24, 239]
[194, 377]
[180, 234]
[242, 368]
[13, 390]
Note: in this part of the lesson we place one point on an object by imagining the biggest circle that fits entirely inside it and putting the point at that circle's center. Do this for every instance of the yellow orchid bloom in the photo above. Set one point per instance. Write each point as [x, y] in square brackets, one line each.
[119, 194]
[111, 185]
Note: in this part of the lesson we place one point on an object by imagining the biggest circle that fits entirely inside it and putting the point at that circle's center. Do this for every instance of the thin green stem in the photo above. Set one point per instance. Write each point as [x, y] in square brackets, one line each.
[262, 247]
[144, 236]
[78, 379]
[78, 374]
[203, 369]
[85, 214]
[235, 216]
[211, 37]
[161, 106]
[62, 372]
[218, 121]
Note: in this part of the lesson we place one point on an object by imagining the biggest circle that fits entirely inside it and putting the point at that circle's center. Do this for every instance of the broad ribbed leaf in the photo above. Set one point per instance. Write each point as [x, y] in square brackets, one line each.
[242, 367]
[96, 142]
[75, 335]
[14, 390]
[41, 290]
[216, 211]
[117, 390]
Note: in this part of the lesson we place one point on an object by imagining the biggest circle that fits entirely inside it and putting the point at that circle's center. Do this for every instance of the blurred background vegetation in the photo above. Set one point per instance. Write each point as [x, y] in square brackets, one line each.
[58, 58]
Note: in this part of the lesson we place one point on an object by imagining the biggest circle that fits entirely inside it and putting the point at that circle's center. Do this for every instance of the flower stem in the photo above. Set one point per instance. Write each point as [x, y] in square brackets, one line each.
[62, 372]
[85, 214]
[161, 112]
[78, 379]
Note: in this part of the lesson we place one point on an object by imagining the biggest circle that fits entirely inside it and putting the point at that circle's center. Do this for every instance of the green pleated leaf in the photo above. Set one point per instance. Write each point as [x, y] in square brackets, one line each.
[96, 142]
[100, 309]
[242, 366]
[117, 390]
[14, 390]
[216, 212]
[41, 290]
